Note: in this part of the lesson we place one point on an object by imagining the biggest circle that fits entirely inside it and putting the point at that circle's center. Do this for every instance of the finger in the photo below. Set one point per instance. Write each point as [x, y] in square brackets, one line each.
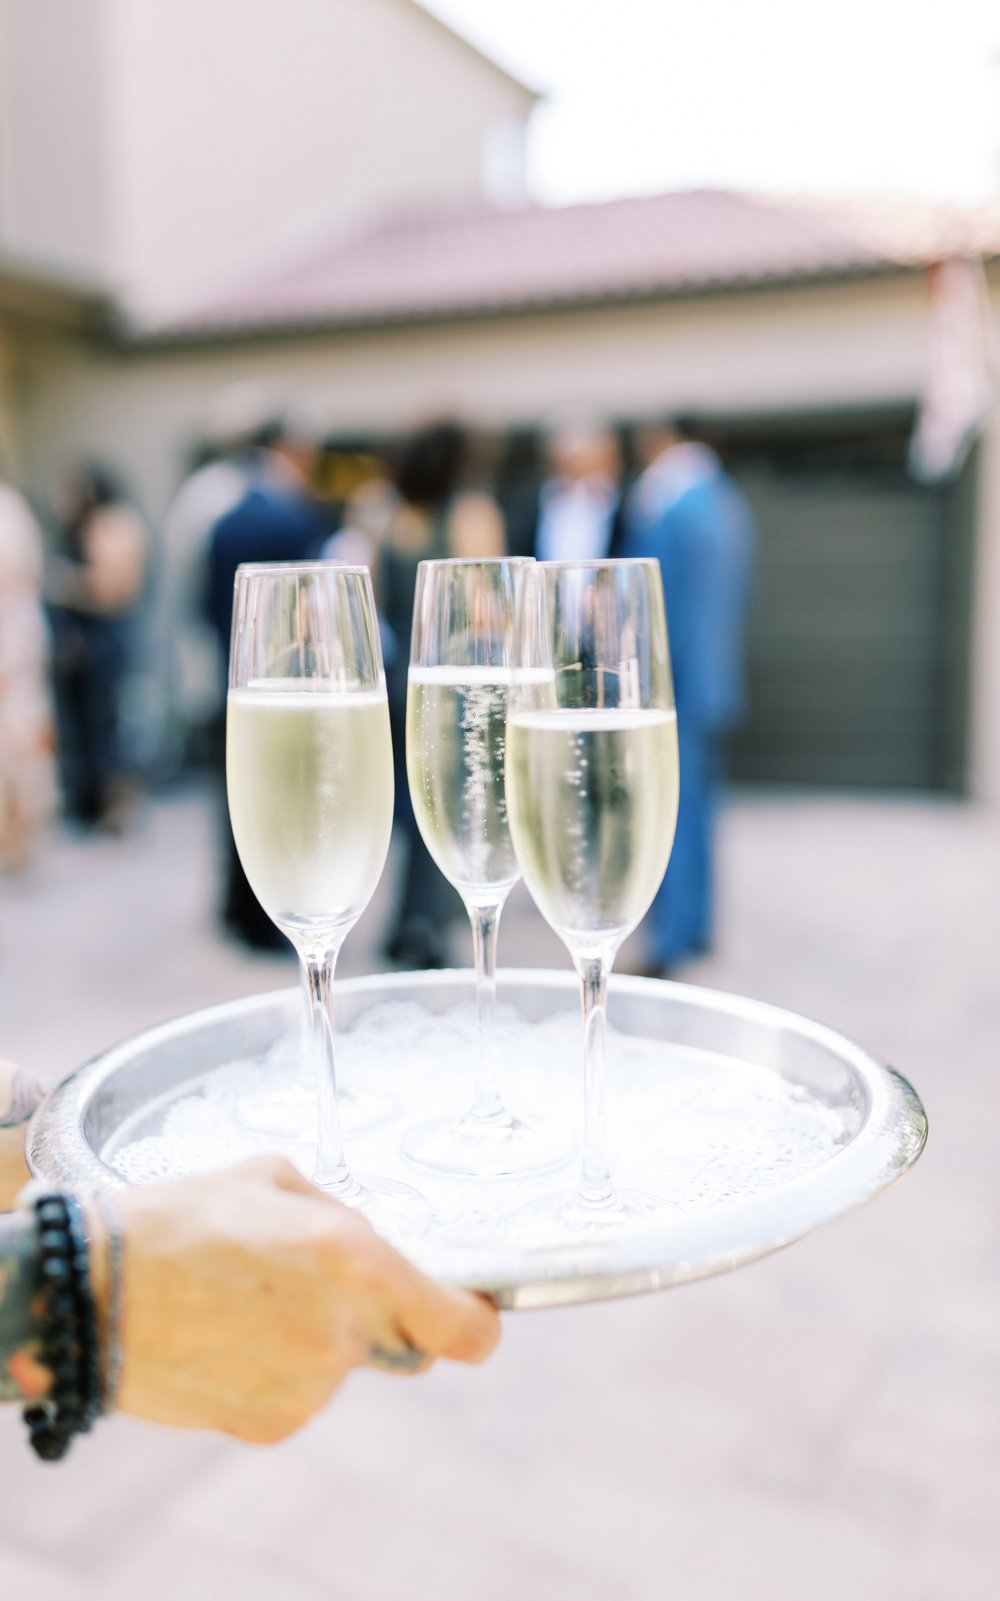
[443, 1321]
[278, 1171]
[20, 1093]
[286, 1176]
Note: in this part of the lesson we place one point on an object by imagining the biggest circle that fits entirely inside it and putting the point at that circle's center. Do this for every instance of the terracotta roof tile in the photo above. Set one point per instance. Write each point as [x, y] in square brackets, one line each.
[475, 260]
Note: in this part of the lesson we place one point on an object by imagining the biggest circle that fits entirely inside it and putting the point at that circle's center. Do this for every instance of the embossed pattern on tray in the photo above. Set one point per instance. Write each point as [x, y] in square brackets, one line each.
[753, 1124]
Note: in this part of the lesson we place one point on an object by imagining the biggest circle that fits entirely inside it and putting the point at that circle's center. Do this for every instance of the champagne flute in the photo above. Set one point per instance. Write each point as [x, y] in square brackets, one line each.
[309, 780]
[456, 707]
[592, 788]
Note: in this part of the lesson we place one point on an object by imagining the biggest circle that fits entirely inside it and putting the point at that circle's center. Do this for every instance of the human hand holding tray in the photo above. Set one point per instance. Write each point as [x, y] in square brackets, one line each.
[754, 1124]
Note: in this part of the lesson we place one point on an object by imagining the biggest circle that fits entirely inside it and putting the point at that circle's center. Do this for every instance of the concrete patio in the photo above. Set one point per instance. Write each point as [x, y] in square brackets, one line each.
[823, 1426]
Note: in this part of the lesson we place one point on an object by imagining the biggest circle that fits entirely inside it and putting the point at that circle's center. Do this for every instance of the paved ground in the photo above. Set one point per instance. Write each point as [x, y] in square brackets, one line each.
[824, 1426]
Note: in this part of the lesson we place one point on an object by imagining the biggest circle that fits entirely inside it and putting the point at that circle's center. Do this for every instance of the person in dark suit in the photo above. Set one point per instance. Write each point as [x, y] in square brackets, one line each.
[687, 512]
[578, 513]
[276, 521]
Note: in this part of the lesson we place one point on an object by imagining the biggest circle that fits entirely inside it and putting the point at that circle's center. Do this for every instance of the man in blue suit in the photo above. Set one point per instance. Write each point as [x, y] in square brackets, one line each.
[276, 521]
[686, 511]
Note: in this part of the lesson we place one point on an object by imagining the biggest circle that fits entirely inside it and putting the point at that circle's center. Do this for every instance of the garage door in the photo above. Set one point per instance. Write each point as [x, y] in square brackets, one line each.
[857, 645]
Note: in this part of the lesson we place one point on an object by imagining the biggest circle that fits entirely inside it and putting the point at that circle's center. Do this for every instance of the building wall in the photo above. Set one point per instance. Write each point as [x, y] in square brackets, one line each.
[53, 133]
[10, 452]
[160, 143]
[293, 115]
[852, 345]
[837, 346]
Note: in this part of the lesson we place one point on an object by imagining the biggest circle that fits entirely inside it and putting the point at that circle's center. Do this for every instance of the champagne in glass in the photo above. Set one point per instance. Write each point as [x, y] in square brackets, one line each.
[309, 779]
[592, 789]
[312, 804]
[456, 710]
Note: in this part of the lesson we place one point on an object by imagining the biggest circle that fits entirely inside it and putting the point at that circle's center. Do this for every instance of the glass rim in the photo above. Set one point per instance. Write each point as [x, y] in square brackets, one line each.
[479, 561]
[248, 569]
[597, 562]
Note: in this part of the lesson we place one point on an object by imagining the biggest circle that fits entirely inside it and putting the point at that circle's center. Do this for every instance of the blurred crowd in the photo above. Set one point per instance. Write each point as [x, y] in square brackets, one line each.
[67, 627]
[78, 604]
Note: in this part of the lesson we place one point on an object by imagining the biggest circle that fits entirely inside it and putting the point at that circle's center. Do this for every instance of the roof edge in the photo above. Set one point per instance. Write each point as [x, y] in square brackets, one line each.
[533, 95]
[31, 294]
[190, 338]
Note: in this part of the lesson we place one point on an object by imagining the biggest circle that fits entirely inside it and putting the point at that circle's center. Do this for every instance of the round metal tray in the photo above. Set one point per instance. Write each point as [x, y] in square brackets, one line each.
[721, 1046]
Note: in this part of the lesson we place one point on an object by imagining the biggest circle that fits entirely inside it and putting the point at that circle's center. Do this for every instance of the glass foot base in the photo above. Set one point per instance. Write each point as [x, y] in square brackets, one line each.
[556, 1219]
[393, 1210]
[504, 1147]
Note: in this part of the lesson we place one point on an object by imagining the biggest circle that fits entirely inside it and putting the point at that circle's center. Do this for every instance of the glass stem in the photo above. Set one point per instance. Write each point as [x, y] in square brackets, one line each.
[487, 1105]
[595, 1187]
[332, 1172]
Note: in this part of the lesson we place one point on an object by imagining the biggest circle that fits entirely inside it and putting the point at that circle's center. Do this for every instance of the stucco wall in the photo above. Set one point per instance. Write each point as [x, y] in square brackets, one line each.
[10, 451]
[53, 128]
[240, 119]
[150, 141]
[849, 345]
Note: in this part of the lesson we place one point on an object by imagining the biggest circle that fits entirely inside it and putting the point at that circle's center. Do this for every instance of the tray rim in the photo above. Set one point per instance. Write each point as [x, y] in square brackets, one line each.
[890, 1102]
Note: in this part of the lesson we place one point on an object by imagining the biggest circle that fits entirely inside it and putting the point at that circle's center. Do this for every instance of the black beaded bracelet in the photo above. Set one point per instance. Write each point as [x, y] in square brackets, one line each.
[69, 1345]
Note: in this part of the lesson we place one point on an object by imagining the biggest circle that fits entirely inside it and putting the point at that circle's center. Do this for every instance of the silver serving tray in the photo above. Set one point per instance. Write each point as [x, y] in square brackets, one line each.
[74, 1136]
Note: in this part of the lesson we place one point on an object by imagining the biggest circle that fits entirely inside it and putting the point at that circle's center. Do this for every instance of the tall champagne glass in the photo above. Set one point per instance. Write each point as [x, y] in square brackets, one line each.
[592, 785]
[456, 708]
[309, 779]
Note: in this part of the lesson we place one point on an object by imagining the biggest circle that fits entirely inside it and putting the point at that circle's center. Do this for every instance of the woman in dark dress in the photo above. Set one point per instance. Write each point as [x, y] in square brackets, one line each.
[94, 588]
[439, 515]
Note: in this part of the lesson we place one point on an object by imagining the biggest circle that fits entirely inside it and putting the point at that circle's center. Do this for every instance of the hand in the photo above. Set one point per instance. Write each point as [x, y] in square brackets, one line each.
[249, 1295]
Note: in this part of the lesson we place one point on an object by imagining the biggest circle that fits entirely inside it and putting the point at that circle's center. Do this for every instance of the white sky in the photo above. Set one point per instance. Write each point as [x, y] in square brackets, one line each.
[854, 96]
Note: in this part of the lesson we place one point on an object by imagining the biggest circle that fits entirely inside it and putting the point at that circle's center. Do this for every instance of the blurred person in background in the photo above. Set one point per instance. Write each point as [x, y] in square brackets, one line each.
[275, 520]
[580, 511]
[365, 520]
[687, 512]
[233, 451]
[366, 517]
[27, 769]
[94, 587]
[440, 513]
